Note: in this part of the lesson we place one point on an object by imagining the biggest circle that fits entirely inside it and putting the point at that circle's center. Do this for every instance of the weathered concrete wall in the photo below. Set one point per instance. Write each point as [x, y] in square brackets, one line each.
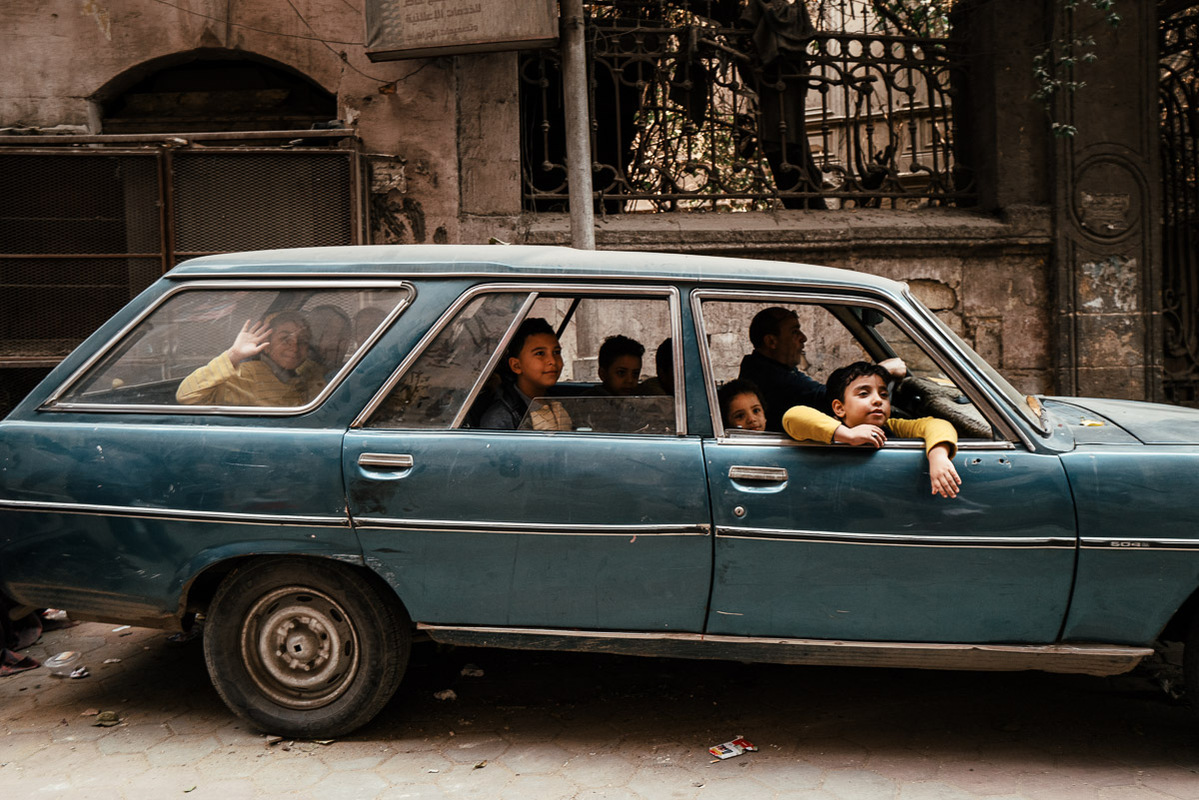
[1108, 211]
[999, 131]
[60, 56]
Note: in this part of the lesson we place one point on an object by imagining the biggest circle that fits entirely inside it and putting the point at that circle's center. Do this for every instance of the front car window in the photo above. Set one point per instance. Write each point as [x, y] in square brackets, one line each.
[219, 347]
[1024, 404]
[832, 335]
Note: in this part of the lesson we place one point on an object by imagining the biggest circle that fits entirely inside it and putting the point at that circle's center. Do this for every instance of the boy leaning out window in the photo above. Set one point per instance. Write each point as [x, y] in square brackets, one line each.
[861, 404]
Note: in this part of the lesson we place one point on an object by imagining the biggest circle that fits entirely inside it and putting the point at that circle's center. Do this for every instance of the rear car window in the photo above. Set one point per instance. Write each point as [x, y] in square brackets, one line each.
[182, 353]
[615, 371]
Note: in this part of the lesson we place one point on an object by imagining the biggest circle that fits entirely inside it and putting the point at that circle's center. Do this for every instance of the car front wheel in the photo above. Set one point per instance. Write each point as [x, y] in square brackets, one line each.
[305, 648]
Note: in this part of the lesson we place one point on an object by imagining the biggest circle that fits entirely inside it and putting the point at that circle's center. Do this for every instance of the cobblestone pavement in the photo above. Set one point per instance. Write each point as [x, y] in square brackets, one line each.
[562, 725]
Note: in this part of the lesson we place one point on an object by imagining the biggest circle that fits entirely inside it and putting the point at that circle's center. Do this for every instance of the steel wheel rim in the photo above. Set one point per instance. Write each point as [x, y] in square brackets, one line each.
[300, 647]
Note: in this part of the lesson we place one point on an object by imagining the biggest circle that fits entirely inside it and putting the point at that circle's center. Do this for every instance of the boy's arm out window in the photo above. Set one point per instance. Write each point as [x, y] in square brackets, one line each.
[807, 424]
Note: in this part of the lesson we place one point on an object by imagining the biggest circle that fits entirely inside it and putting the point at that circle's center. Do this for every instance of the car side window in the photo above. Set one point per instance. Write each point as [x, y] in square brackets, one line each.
[262, 347]
[433, 388]
[828, 335]
[610, 379]
[590, 363]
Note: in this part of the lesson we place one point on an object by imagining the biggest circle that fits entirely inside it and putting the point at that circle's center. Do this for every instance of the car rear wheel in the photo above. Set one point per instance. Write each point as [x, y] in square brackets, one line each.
[305, 648]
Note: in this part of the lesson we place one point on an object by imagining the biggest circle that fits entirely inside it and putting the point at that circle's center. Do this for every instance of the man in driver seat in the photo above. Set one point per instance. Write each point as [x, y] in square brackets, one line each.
[773, 366]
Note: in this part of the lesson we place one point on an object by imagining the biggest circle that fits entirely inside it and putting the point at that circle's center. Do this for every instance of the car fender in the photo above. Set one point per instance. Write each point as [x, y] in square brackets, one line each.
[198, 578]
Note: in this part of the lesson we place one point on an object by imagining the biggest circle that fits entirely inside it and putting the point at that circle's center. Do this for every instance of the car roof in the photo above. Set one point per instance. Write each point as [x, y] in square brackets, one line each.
[516, 260]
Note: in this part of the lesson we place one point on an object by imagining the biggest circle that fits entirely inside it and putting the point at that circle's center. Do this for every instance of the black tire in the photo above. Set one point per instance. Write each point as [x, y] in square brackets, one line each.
[305, 648]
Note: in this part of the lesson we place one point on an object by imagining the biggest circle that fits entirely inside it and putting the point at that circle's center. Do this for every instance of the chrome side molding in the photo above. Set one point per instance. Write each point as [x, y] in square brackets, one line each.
[1083, 659]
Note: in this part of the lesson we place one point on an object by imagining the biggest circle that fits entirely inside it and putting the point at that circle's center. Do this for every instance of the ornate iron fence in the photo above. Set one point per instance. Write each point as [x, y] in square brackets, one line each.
[717, 104]
[1179, 93]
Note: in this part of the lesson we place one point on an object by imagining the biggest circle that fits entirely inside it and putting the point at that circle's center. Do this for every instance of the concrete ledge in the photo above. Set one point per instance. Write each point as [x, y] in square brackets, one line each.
[1021, 229]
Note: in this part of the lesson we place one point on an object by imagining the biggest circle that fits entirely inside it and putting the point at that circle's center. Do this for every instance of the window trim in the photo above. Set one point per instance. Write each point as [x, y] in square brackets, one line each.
[493, 360]
[534, 290]
[53, 403]
[967, 383]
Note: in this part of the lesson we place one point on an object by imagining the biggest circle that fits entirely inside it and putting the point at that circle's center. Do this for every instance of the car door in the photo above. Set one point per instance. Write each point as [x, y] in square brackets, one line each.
[834, 542]
[589, 528]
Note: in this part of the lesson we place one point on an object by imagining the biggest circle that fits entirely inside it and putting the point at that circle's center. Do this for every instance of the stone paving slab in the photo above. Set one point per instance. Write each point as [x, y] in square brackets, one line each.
[597, 727]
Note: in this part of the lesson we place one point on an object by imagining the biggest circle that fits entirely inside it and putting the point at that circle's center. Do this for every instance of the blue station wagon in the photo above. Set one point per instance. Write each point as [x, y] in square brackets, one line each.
[319, 509]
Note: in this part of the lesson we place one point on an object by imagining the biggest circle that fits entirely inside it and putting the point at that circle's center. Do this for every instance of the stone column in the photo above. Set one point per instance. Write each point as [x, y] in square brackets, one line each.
[488, 145]
[1000, 135]
[1106, 210]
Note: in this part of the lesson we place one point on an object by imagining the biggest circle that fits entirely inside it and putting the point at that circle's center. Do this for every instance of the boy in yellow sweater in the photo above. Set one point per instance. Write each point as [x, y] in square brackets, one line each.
[861, 404]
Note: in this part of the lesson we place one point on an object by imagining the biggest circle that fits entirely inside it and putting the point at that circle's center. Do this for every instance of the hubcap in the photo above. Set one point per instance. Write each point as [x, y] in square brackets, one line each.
[300, 647]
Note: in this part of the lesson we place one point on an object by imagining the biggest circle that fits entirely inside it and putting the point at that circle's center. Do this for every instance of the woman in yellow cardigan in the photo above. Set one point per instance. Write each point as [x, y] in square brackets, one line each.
[861, 404]
[267, 365]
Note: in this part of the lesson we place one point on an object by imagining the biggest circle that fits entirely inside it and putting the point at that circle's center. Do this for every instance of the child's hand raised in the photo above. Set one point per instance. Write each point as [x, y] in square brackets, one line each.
[252, 340]
[864, 434]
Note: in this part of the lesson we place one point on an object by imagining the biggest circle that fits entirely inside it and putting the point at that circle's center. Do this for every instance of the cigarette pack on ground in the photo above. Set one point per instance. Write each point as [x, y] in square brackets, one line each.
[733, 748]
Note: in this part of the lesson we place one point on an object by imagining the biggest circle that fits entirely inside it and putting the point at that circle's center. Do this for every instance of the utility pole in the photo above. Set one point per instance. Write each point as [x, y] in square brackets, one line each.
[578, 133]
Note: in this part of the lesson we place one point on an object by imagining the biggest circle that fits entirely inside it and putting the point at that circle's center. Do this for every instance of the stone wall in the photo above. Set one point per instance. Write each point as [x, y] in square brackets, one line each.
[987, 276]
[444, 136]
[62, 57]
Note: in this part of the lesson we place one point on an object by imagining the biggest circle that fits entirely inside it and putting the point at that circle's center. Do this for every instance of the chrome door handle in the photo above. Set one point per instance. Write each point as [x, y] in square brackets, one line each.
[767, 474]
[386, 460]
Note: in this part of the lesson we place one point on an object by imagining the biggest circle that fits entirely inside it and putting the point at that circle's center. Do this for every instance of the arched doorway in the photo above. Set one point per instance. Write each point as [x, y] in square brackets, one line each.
[213, 90]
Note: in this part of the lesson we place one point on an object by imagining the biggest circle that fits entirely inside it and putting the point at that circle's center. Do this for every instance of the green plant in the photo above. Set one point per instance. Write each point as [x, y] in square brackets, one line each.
[1054, 68]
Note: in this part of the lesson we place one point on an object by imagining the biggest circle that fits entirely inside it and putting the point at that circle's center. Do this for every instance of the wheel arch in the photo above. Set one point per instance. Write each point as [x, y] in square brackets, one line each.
[1179, 624]
[199, 590]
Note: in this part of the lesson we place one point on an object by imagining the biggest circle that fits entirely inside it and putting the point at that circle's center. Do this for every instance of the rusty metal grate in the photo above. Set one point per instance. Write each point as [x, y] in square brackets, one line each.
[79, 236]
[254, 201]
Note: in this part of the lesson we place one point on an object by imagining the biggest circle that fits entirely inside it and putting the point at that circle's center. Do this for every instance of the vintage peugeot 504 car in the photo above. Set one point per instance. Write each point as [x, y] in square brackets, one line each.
[316, 534]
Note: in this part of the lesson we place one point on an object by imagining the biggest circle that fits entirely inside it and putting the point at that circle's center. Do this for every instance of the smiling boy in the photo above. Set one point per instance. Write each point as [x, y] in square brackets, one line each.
[267, 365]
[862, 405]
[535, 361]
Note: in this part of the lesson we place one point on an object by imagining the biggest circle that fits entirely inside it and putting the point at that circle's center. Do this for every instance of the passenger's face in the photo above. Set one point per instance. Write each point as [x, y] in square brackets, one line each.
[331, 344]
[288, 346]
[621, 376]
[866, 401]
[789, 342]
[539, 364]
[745, 411]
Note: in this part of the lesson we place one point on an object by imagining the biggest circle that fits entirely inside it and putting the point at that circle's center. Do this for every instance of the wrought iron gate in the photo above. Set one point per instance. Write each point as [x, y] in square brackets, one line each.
[712, 105]
[1179, 55]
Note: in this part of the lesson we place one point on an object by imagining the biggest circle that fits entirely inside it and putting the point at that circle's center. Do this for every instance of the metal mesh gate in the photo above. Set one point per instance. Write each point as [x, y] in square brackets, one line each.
[83, 230]
[254, 201]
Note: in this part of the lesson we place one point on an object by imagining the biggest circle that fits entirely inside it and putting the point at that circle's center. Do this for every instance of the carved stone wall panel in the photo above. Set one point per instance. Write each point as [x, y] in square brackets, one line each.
[1107, 204]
